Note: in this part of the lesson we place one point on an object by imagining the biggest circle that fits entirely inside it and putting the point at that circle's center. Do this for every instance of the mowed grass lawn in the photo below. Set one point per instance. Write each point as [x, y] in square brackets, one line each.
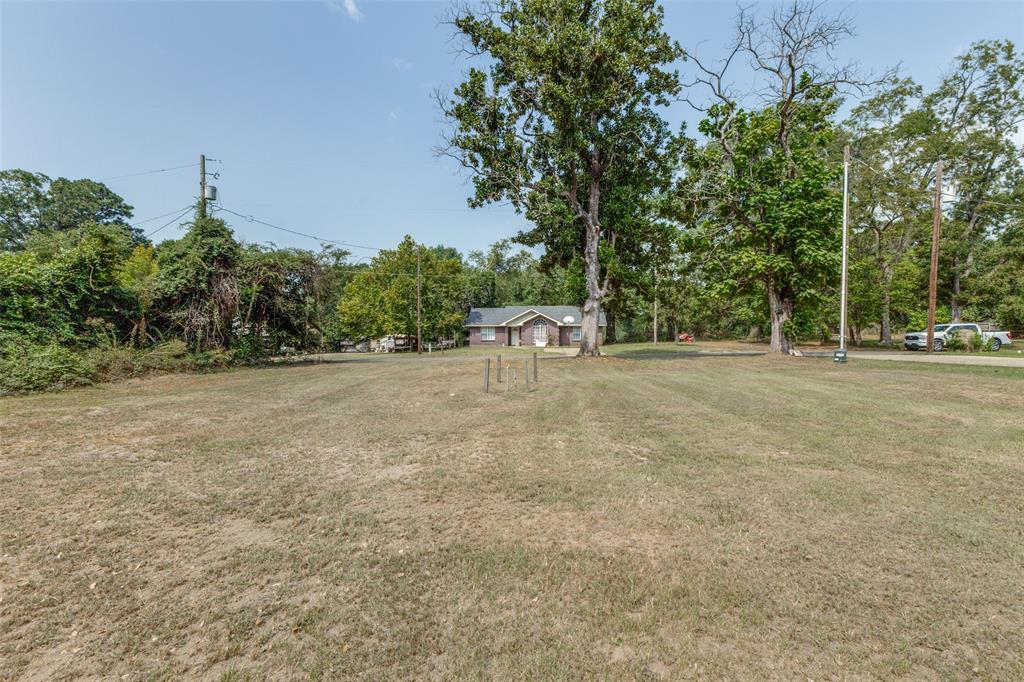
[657, 516]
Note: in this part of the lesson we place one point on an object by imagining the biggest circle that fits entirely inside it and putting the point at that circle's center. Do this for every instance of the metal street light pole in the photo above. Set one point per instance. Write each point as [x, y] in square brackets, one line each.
[846, 249]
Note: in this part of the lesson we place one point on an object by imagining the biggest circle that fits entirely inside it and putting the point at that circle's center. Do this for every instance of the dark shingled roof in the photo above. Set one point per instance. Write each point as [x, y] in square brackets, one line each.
[495, 317]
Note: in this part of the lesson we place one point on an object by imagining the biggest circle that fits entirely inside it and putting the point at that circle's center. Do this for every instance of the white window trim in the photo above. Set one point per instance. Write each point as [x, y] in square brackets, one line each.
[577, 334]
[484, 331]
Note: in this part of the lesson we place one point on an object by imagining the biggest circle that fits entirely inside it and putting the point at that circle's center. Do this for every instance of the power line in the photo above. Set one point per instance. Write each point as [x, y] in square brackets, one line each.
[172, 220]
[425, 209]
[253, 219]
[149, 172]
[158, 217]
[929, 193]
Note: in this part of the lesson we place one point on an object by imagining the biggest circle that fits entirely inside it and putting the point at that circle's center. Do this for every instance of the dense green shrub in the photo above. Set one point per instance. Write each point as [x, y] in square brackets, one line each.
[28, 366]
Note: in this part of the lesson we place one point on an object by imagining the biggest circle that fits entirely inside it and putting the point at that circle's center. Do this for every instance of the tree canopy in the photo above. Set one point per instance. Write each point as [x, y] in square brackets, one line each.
[567, 128]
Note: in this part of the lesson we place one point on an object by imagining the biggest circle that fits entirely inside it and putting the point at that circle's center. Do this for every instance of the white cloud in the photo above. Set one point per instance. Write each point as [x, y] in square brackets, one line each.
[400, 63]
[347, 8]
[394, 113]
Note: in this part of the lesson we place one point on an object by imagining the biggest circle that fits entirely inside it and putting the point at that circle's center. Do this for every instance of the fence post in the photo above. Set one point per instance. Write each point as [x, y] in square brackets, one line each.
[535, 365]
[499, 368]
[526, 373]
[487, 375]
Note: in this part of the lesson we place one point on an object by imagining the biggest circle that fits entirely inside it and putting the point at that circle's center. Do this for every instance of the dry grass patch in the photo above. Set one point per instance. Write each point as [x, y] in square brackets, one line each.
[670, 517]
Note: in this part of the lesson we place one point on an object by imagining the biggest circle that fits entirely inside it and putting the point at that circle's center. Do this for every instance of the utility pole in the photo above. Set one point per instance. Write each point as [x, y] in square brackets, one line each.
[419, 304]
[846, 247]
[933, 277]
[202, 185]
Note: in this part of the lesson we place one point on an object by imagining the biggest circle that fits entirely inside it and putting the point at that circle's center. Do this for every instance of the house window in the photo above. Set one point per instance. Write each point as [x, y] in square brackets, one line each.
[487, 333]
[577, 333]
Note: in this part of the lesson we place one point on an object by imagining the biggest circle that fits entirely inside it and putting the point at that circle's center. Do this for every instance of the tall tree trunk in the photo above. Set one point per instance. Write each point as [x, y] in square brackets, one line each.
[885, 335]
[780, 309]
[592, 306]
[954, 303]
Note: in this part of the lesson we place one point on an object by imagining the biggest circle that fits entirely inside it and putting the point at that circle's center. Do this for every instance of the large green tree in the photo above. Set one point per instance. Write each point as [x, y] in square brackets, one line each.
[381, 299]
[760, 198]
[976, 110]
[563, 123]
[890, 137]
[22, 196]
[31, 202]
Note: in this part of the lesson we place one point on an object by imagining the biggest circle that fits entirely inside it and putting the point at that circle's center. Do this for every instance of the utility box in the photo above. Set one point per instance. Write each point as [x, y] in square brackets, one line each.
[211, 193]
[839, 355]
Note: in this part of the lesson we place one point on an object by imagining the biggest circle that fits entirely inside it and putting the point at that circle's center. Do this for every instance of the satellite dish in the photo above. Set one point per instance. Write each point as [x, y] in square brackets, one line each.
[568, 319]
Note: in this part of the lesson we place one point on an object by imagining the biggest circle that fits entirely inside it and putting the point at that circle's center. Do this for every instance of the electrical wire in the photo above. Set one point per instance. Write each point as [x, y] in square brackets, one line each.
[158, 217]
[929, 192]
[253, 219]
[149, 172]
[172, 220]
[356, 269]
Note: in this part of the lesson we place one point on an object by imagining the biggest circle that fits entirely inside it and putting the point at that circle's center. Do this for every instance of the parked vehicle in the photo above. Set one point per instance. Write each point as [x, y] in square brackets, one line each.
[919, 340]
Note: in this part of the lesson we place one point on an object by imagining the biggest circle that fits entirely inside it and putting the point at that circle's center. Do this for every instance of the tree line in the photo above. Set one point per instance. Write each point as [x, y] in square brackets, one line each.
[85, 296]
[731, 231]
[736, 230]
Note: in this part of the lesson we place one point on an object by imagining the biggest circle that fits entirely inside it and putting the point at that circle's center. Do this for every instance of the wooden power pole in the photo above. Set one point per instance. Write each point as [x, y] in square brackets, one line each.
[933, 277]
[202, 185]
[419, 303]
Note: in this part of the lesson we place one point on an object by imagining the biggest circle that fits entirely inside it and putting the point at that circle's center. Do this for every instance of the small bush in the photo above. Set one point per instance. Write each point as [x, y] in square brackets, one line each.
[113, 363]
[171, 356]
[976, 342]
[214, 359]
[249, 351]
[26, 366]
[954, 342]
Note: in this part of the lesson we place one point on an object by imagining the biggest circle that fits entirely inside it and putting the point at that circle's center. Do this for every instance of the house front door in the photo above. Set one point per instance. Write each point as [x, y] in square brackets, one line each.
[540, 333]
[513, 339]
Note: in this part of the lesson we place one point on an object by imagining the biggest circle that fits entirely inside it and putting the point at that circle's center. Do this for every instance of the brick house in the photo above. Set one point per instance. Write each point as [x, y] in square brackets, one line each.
[523, 325]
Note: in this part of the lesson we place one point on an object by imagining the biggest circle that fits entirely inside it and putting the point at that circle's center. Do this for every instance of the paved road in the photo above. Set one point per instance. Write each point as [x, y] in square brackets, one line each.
[941, 358]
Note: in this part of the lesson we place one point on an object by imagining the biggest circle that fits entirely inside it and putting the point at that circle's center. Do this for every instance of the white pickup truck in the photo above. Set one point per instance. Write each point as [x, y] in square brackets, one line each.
[919, 340]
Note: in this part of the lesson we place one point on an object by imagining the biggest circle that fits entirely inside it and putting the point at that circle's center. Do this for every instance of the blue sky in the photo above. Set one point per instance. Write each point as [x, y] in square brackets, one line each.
[321, 112]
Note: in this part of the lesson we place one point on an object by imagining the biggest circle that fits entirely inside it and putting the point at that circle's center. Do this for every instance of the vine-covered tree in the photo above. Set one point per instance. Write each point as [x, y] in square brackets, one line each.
[198, 284]
[563, 118]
